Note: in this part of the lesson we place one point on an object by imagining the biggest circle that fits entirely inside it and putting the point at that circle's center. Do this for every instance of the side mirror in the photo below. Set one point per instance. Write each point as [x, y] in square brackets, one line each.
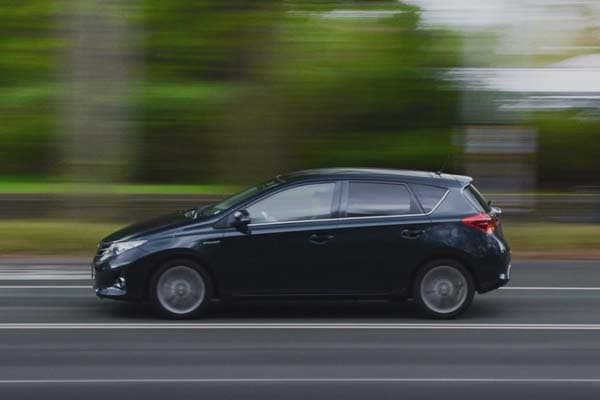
[241, 218]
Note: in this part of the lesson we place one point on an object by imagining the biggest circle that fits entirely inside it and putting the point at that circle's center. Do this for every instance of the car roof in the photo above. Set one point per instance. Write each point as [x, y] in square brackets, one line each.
[427, 177]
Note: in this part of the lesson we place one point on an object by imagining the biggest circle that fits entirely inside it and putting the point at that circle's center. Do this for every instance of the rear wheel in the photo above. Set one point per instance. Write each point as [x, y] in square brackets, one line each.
[443, 289]
[180, 289]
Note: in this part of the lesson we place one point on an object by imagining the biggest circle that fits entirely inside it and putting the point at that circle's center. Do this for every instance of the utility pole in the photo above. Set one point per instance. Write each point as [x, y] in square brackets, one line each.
[96, 111]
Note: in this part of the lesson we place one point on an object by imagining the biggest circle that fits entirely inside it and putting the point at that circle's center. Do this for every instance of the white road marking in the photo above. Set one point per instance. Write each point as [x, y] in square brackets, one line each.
[297, 380]
[43, 277]
[45, 287]
[549, 288]
[502, 288]
[296, 326]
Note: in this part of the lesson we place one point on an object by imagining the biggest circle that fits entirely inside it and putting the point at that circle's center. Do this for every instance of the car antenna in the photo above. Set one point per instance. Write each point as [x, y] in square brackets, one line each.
[441, 170]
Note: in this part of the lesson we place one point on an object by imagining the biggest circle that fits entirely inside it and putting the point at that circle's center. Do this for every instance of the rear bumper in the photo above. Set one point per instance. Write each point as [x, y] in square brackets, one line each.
[500, 279]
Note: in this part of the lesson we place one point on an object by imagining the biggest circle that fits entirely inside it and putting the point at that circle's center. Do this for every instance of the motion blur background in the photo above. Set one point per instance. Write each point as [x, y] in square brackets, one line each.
[111, 111]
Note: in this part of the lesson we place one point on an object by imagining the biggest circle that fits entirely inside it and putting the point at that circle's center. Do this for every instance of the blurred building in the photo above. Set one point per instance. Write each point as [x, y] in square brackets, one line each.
[520, 57]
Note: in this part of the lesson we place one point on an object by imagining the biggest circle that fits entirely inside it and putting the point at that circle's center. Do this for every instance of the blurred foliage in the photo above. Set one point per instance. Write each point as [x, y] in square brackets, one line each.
[362, 92]
[237, 90]
[28, 85]
[569, 150]
[233, 91]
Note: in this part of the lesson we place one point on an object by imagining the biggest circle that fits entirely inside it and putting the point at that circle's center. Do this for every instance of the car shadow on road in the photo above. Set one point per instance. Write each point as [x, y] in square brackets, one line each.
[290, 311]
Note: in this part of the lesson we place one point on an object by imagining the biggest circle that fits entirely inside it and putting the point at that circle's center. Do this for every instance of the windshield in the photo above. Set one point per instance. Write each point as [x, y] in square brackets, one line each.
[217, 208]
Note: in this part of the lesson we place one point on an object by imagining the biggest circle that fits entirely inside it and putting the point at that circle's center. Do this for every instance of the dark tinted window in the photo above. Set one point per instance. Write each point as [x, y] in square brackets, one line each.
[477, 199]
[369, 199]
[313, 201]
[429, 196]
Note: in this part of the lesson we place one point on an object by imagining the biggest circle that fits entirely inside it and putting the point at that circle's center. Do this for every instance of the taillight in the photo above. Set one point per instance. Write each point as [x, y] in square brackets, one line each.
[482, 222]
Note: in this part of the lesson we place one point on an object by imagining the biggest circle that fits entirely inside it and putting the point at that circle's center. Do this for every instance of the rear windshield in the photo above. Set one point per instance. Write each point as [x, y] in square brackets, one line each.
[477, 199]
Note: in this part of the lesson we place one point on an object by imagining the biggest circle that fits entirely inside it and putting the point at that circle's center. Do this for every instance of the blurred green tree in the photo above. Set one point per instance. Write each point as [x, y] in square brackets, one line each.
[238, 90]
[29, 48]
[259, 87]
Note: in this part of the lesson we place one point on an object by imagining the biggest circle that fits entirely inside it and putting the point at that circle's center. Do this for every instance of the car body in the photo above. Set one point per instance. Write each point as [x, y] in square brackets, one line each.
[325, 233]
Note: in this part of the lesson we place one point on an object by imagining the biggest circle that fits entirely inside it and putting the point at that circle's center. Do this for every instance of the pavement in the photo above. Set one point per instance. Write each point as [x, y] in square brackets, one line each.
[537, 338]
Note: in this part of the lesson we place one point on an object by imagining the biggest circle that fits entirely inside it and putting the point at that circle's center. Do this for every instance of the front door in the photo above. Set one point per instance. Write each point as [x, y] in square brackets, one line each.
[288, 248]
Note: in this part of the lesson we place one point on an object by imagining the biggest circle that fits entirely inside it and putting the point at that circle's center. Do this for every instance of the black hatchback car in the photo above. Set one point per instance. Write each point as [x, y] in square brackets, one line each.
[326, 234]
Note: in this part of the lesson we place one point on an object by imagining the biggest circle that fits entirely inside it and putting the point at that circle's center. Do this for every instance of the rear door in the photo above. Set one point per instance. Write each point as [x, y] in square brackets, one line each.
[381, 235]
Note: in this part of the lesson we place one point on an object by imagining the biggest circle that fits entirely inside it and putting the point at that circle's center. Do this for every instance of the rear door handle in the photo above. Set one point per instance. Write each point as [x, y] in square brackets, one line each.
[320, 239]
[412, 233]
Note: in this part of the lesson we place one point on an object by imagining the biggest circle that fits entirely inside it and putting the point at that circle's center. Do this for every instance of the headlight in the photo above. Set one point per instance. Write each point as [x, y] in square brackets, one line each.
[118, 248]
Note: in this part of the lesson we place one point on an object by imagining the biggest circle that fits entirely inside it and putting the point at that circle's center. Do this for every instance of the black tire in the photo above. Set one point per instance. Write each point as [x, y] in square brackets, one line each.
[185, 276]
[446, 290]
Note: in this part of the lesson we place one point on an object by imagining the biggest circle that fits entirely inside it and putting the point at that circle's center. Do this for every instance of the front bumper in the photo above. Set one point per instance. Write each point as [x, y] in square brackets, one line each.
[123, 277]
[109, 283]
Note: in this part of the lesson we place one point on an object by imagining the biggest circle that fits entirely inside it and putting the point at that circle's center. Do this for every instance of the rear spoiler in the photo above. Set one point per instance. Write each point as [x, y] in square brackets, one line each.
[463, 180]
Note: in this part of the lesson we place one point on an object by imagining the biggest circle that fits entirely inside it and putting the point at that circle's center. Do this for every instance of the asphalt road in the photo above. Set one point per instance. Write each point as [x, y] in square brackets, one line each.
[538, 338]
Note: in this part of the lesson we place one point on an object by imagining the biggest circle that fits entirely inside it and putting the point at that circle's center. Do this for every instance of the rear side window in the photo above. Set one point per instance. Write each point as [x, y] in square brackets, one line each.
[477, 199]
[373, 199]
[428, 196]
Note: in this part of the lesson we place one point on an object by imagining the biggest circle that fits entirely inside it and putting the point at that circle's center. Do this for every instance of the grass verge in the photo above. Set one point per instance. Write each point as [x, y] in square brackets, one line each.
[121, 189]
[63, 238]
[60, 238]
[558, 240]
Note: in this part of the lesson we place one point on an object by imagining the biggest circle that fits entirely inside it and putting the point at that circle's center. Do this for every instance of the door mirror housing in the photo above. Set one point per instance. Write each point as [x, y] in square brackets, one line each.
[241, 218]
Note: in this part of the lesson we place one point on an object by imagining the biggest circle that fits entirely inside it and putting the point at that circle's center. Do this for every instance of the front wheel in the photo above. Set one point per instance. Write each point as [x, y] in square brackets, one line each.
[180, 289]
[443, 289]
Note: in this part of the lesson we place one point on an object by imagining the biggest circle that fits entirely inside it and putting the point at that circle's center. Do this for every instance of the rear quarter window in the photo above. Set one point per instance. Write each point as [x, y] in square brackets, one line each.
[477, 199]
[428, 196]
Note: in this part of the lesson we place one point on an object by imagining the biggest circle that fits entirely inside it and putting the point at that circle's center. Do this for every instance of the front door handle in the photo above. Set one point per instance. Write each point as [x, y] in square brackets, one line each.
[320, 239]
[412, 233]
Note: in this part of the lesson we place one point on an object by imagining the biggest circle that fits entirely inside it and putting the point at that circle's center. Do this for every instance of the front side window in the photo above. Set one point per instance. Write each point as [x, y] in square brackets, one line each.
[314, 201]
[367, 199]
[244, 195]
